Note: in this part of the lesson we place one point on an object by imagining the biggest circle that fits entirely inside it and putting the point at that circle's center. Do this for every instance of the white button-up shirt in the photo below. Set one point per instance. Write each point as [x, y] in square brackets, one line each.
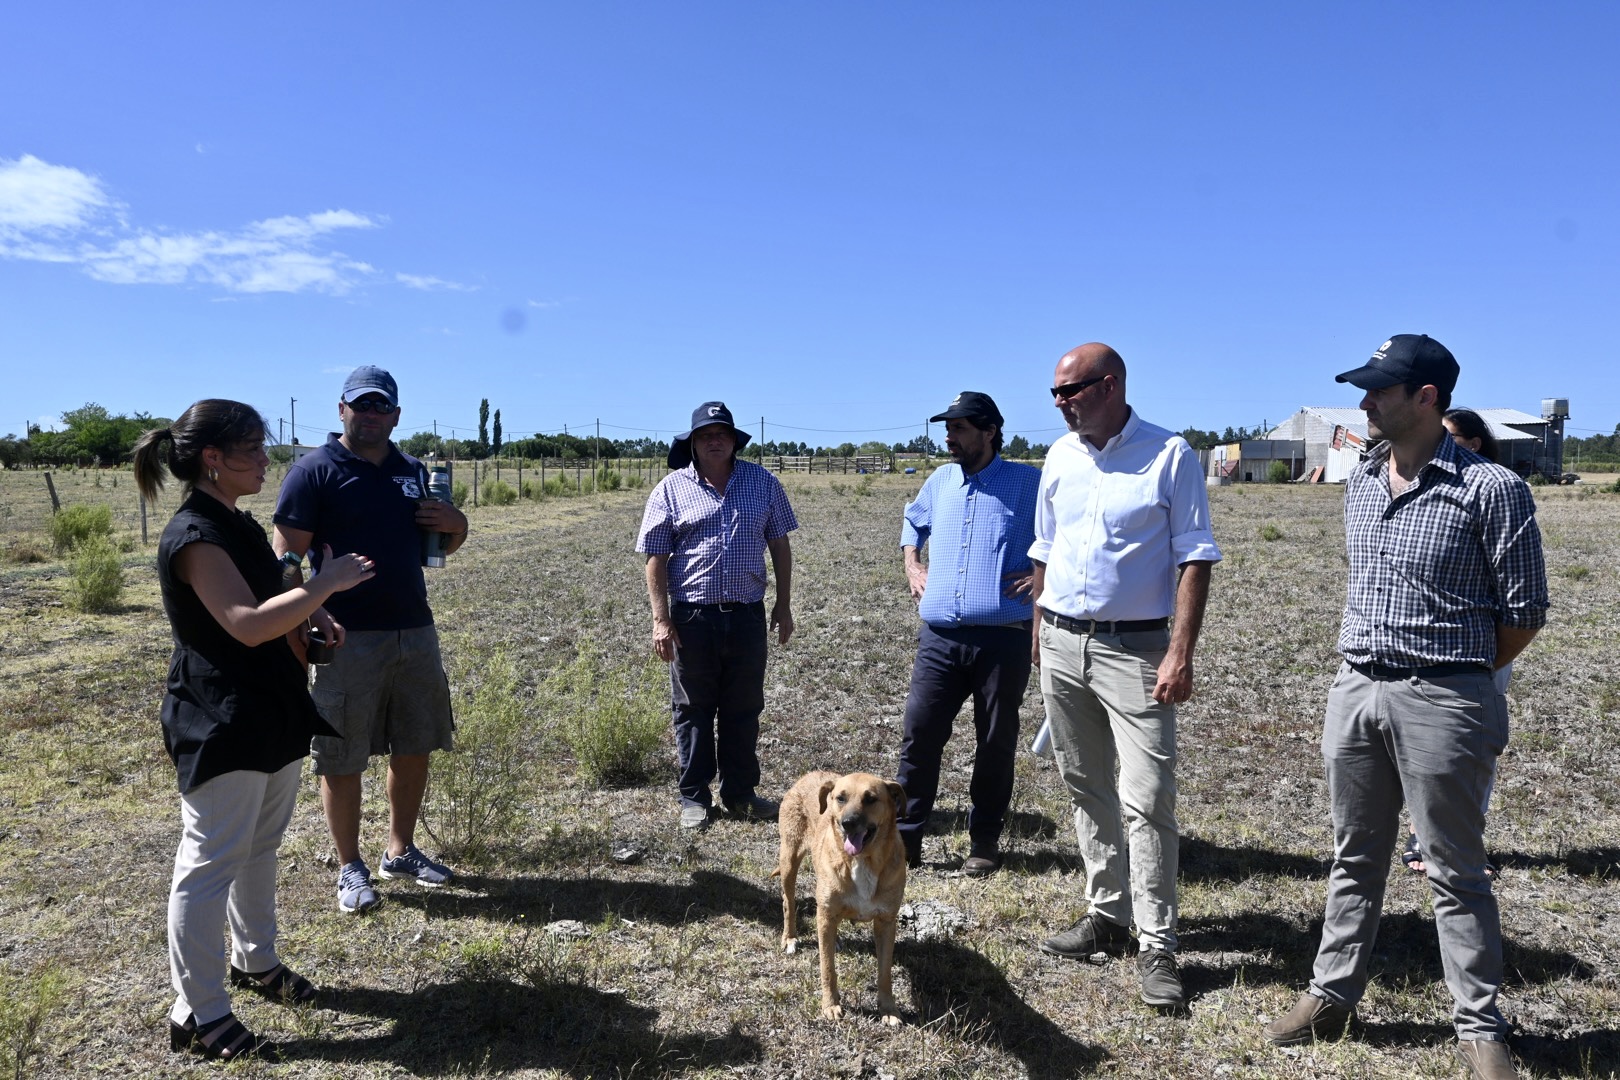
[1113, 525]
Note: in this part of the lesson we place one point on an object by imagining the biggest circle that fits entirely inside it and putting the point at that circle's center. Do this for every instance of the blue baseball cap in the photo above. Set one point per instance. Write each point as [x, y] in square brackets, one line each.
[370, 380]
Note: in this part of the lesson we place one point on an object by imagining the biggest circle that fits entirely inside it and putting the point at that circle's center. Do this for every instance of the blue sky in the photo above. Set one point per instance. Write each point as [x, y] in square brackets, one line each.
[834, 216]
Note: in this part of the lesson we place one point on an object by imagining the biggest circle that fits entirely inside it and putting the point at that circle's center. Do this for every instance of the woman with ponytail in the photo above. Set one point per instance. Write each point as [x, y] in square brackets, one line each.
[237, 718]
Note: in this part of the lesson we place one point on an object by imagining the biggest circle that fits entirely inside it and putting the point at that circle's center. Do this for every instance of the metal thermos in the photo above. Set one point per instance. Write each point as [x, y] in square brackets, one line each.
[435, 545]
[317, 650]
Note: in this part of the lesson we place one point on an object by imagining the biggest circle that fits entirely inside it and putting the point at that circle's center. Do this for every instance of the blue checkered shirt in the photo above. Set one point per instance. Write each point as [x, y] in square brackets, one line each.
[977, 529]
[1434, 571]
[716, 543]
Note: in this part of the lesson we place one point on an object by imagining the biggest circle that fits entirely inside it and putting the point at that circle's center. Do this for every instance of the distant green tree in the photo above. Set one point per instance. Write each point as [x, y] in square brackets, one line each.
[482, 450]
[422, 444]
[495, 443]
[1017, 447]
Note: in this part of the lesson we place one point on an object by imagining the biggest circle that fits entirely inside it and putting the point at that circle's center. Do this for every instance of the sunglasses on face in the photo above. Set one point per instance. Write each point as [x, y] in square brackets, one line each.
[376, 405]
[1073, 388]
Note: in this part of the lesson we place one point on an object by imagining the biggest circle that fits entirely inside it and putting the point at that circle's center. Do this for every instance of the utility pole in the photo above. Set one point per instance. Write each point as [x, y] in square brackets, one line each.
[281, 429]
[598, 449]
[293, 409]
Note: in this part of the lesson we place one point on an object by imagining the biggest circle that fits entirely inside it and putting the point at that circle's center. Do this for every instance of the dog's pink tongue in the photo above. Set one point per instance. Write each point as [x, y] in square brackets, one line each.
[853, 844]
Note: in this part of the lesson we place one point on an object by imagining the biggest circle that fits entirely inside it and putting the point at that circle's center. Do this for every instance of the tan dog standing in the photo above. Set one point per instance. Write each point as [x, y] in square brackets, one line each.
[846, 824]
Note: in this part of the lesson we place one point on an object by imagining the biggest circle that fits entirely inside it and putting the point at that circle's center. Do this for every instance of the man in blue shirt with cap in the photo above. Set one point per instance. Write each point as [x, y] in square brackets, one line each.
[977, 517]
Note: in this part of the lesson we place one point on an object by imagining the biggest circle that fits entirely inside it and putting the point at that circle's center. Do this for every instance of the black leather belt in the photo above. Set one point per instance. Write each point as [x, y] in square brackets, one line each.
[1092, 626]
[687, 604]
[1432, 671]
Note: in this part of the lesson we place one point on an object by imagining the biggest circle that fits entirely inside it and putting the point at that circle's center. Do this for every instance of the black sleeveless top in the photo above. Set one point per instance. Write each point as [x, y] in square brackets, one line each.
[228, 706]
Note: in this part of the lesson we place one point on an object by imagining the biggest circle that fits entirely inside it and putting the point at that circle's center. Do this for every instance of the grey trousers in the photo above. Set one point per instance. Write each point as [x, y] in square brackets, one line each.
[1099, 700]
[225, 869]
[1436, 742]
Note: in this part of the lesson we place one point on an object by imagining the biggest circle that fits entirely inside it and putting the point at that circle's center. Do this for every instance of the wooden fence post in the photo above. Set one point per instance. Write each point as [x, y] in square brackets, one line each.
[50, 485]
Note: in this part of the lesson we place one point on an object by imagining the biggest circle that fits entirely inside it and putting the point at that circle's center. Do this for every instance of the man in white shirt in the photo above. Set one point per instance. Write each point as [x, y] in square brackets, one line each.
[1122, 541]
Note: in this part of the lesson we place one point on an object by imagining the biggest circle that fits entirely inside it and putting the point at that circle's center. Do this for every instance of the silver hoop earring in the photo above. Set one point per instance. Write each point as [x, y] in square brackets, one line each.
[213, 475]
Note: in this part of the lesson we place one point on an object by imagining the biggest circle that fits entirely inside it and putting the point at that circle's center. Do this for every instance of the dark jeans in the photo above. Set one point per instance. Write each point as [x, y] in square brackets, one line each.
[992, 664]
[717, 691]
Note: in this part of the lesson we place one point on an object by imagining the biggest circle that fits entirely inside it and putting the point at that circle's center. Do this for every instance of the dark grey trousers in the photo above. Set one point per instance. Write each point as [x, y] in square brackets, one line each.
[1435, 742]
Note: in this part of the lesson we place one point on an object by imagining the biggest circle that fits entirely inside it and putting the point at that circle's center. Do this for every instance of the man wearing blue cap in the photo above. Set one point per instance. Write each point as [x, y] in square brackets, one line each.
[385, 690]
[705, 532]
[1447, 583]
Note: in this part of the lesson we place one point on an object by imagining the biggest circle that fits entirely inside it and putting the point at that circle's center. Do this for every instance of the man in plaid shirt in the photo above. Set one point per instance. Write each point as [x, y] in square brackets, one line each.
[705, 533]
[1447, 584]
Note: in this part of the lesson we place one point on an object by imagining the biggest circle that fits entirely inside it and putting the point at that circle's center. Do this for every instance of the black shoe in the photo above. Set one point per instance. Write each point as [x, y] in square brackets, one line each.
[1093, 935]
[912, 842]
[755, 808]
[1161, 982]
[982, 862]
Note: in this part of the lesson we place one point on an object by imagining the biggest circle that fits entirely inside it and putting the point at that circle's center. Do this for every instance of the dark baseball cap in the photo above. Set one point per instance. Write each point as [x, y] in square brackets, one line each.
[705, 415]
[370, 380]
[974, 406]
[1406, 358]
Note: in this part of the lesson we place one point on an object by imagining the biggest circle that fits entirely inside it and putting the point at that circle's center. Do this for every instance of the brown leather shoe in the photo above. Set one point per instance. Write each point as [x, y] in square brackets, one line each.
[1487, 1059]
[1310, 1018]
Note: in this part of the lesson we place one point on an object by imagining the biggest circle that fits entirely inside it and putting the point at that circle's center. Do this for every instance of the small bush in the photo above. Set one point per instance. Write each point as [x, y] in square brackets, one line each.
[864, 486]
[608, 480]
[76, 524]
[26, 1002]
[1268, 533]
[26, 551]
[1613, 488]
[498, 493]
[554, 487]
[1279, 473]
[98, 576]
[613, 718]
[1536, 479]
[1577, 572]
[458, 494]
[634, 481]
[475, 793]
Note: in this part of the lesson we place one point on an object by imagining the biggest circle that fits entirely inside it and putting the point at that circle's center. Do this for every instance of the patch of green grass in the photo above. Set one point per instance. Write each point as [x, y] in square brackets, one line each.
[1270, 532]
[27, 1003]
[1577, 572]
[614, 717]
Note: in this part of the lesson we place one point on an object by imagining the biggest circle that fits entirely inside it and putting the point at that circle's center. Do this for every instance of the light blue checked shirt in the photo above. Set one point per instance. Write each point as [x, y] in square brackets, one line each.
[978, 528]
[716, 543]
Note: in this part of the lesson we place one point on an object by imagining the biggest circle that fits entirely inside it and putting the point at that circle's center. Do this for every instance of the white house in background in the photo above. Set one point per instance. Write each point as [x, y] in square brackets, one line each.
[1334, 440]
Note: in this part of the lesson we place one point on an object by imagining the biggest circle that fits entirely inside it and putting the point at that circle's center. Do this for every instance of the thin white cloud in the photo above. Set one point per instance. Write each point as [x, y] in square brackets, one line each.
[58, 214]
[546, 305]
[37, 196]
[432, 284]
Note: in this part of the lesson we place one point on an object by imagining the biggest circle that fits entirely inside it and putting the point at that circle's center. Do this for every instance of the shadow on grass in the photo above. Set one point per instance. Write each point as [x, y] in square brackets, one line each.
[491, 1027]
[956, 988]
[539, 900]
[1204, 861]
[1598, 862]
[1584, 1054]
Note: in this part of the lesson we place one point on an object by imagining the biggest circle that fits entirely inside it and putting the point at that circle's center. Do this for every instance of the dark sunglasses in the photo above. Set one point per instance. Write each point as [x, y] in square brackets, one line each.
[1073, 388]
[376, 405]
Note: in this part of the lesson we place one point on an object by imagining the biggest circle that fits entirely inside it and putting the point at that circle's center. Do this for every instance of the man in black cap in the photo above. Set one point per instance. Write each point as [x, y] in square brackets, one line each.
[1447, 584]
[705, 532]
[977, 517]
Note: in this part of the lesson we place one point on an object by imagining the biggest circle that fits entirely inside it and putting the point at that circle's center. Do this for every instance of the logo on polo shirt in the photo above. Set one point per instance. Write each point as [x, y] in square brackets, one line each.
[409, 487]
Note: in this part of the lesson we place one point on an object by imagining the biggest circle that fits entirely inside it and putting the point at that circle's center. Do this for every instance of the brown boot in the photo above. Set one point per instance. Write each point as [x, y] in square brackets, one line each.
[1310, 1018]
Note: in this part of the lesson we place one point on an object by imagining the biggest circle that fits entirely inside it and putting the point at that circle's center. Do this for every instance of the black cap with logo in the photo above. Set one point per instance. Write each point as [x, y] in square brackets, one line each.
[1417, 359]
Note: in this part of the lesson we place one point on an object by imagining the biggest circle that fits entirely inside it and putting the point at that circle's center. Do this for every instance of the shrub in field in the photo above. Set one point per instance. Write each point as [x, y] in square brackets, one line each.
[76, 524]
[98, 576]
[1577, 572]
[498, 493]
[613, 718]
[458, 494]
[475, 793]
[608, 480]
[26, 1001]
[1268, 533]
[1614, 487]
[634, 481]
[1279, 473]
[25, 551]
[864, 487]
[555, 487]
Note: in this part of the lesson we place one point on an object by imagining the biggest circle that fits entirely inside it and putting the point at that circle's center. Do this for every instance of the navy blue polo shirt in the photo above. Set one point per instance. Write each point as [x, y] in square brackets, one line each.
[353, 505]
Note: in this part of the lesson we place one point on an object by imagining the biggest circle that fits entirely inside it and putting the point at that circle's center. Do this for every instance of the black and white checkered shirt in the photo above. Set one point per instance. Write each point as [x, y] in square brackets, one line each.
[1434, 571]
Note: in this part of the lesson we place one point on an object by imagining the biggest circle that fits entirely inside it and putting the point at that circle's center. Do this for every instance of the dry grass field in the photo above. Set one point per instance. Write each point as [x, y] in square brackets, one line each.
[674, 968]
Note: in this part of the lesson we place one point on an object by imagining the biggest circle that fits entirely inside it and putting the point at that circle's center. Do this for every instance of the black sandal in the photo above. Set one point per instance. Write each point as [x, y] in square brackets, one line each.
[224, 1039]
[1412, 854]
[280, 983]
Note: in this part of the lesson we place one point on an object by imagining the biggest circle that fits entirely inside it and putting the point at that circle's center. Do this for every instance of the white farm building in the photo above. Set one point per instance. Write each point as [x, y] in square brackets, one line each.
[1322, 445]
